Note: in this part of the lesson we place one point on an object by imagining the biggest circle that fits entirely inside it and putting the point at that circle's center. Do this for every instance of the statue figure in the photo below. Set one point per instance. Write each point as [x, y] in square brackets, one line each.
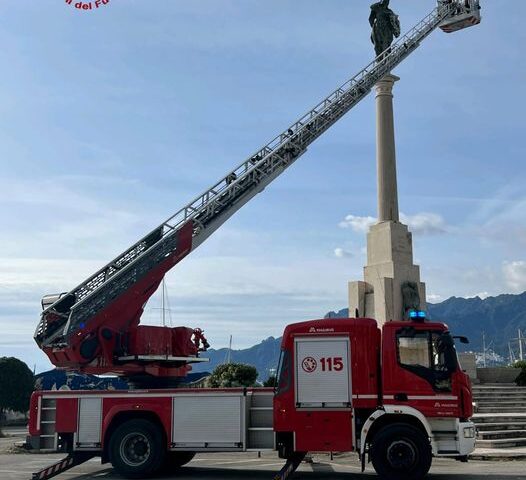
[385, 25]
[410, 298]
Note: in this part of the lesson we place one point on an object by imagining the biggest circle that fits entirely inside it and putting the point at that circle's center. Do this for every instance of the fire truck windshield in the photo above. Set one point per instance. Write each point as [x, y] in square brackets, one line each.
[428, 354]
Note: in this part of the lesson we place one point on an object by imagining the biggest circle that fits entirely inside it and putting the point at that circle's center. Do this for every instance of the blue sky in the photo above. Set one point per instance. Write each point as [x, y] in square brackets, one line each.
[112, 119]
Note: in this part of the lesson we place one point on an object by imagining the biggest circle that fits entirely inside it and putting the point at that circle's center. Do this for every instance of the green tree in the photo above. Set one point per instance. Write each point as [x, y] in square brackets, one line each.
[270, 382]
[521, 379]
[16, 385]
[233, 375]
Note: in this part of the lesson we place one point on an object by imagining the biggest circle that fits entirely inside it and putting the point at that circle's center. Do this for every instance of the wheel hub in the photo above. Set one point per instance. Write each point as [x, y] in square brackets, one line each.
[401, 455]
[135, 449]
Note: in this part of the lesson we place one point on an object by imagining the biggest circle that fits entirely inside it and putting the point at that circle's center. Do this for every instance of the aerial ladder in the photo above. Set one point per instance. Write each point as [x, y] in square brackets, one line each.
[95, 327]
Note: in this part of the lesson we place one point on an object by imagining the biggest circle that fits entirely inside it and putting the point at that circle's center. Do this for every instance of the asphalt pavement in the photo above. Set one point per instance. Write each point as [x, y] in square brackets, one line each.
[20, 466]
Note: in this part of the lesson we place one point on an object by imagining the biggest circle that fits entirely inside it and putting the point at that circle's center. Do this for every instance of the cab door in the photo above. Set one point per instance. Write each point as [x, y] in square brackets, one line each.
[417, 370]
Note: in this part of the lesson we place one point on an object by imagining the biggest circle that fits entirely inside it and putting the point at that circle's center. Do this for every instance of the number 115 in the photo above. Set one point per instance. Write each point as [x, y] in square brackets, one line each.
[330, 364]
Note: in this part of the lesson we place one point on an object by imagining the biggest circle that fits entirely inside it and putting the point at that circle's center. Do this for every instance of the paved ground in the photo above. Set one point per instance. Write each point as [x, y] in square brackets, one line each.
[13, 434]
[243, 466]
[237, 467]
[516, 453]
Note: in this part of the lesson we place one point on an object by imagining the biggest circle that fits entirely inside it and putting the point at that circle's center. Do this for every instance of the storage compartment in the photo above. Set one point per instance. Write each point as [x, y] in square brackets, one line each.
[90, 423]
[208, 421]
[323, 376]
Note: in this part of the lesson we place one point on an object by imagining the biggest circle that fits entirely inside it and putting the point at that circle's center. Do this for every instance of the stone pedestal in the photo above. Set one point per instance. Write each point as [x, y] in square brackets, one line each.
[389, 270]
[391, 283]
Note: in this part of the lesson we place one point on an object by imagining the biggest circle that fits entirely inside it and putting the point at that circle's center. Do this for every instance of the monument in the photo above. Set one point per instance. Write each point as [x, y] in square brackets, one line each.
[391, 286]
[385, 26]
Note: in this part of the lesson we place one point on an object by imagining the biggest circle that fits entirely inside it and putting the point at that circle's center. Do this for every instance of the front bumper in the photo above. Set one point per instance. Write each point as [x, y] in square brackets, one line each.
[456, 442]
[466, 438]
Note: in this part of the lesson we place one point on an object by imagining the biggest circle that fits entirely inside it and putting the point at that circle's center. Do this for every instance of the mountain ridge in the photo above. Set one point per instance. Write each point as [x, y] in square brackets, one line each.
[499, 317]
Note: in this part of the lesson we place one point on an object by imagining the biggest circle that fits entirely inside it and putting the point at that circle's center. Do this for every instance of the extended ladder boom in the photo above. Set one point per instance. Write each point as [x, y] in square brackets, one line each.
[82, 310]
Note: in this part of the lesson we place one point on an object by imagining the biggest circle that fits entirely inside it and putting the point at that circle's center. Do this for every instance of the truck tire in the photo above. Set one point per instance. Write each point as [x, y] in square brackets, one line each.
[136, 449]
[175, 460]
[401, 452]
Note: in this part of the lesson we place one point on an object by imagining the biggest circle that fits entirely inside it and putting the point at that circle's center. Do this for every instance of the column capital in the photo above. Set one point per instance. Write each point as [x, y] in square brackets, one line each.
[385, 85]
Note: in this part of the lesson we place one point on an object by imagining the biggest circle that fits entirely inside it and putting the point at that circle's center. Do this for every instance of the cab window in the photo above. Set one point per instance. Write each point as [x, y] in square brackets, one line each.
[413, 351]
[430, 355]
[284, 378]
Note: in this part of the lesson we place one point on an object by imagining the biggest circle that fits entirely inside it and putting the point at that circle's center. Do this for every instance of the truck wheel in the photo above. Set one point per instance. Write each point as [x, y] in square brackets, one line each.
[136, 449]
[401, 452]
[175, 460]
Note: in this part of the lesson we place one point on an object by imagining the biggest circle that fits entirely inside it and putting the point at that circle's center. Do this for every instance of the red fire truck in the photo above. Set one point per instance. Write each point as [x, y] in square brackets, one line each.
[397, 395]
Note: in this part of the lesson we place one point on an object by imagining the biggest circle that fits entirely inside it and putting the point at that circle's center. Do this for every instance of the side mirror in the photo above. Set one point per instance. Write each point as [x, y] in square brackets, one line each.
[450, 357]
[462, 339]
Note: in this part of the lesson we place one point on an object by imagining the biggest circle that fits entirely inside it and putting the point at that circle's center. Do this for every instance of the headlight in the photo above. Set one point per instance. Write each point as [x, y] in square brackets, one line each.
[469, 432]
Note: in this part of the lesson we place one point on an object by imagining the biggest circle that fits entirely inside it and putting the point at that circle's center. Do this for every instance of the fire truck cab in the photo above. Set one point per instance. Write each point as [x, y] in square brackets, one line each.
[396, 396]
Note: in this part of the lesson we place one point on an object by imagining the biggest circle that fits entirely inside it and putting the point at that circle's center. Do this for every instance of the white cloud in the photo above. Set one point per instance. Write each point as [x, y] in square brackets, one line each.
[424, 223]
[342, 253]
[357, 224]
[434, 298]
[515, 275]
[482, 295]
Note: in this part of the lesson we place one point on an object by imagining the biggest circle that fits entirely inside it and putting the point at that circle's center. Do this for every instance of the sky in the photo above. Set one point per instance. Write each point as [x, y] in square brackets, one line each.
[112, 119]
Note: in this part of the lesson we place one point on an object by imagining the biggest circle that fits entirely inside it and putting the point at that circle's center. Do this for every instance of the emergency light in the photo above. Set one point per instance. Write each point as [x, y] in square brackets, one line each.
[417, 315]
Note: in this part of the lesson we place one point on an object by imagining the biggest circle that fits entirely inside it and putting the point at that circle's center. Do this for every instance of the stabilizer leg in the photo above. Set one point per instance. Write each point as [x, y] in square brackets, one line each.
[72, 460]
[291, 466]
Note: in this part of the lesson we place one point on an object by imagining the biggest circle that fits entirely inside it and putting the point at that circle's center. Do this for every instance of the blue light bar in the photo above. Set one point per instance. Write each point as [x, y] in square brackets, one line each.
[417, 314]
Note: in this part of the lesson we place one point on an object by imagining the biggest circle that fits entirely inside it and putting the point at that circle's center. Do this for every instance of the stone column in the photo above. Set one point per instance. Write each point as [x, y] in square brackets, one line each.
[386, 151]
[390, 269]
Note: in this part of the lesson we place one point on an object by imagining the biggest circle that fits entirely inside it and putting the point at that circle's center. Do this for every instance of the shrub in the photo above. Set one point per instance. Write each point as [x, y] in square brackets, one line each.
[233, 375]
[270, 382]
[521, 379]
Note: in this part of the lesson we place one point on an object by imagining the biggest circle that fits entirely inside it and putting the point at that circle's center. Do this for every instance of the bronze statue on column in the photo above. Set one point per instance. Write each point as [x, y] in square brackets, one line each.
[385, 24]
